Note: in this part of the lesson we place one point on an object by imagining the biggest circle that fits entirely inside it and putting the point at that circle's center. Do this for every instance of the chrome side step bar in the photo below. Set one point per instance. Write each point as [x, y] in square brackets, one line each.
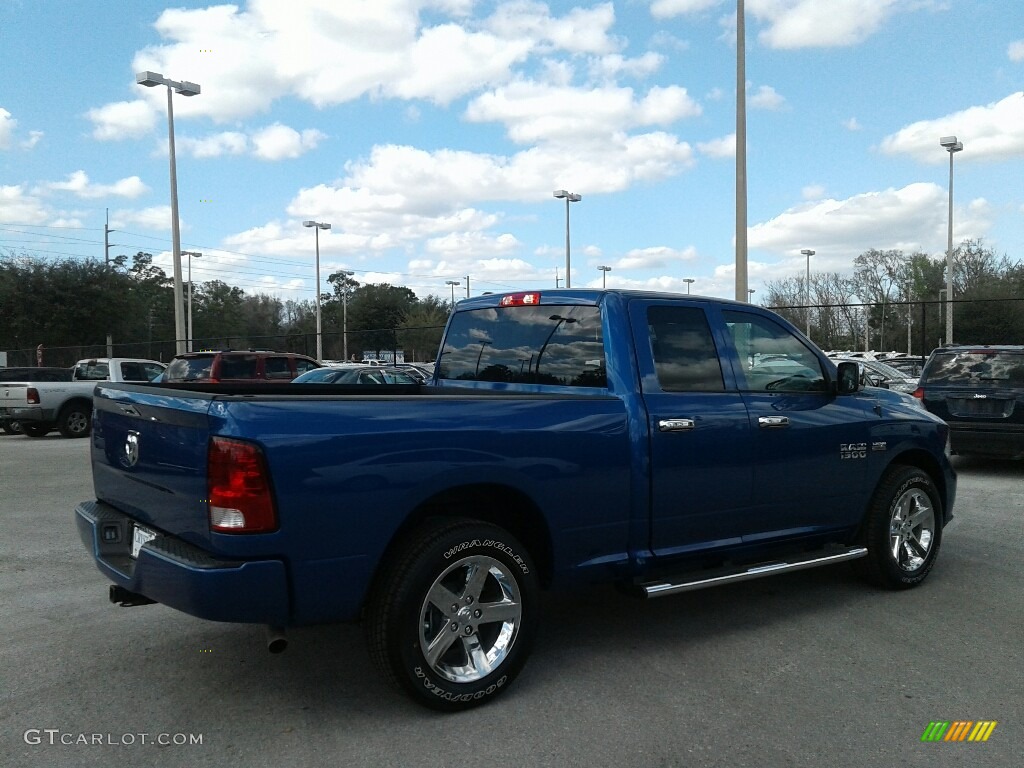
[662, 588]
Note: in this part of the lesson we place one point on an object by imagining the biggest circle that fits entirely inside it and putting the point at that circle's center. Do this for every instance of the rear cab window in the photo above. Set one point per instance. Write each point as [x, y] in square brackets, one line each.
[559, 345]
[975, 369]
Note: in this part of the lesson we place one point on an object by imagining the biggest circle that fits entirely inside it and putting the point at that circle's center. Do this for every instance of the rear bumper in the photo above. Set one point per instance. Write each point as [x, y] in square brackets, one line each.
[182, 576]
[27, 414]
[986, 442]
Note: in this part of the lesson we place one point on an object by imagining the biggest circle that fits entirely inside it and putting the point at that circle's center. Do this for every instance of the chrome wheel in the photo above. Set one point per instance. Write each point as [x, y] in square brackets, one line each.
[470, 619]
[911, 529]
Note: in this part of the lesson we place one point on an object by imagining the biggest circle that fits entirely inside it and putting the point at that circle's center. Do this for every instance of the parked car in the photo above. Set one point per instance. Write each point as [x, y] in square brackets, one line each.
[13, 426]
[356, 374]
[881, 374]
[909, 366]
[979, 392]
[42, 406]
[230, 365]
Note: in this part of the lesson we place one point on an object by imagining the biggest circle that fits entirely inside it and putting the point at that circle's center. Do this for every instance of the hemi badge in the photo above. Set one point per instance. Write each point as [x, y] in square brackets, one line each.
[881, 445]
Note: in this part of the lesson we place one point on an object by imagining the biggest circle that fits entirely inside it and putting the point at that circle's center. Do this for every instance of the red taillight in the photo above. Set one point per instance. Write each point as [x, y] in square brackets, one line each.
[520, 300]
[918, 393]
[239, 488]
[32, 396]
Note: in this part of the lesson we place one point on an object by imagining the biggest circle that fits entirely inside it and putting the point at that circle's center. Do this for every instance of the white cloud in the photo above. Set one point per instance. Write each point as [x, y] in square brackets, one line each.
[79, 184]
[852, 124]
[7, 126]
[215, 145]
[18, 207]
[615, 65]
[817, 24]
[328, 53]
[33, 138]
[912, 218]
[719, 148]
[766, 98]
[157, 217]
[1015, 50]
[537, 112]
[655, 257]
[991, 132]
[813, 192]
[664, 9]
[122, 120]
[277, 141]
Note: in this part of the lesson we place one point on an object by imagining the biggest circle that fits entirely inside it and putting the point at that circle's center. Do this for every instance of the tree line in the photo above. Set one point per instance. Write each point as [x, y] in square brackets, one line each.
[72, 307]
[890, 292]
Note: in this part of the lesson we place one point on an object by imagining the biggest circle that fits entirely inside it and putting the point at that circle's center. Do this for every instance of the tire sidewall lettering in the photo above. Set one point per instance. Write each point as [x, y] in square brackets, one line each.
[447, 695]
[488, 544]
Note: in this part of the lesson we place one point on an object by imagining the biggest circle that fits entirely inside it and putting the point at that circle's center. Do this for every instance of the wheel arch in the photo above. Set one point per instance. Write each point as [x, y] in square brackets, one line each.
[501, 505]
[929, 465]
[85, 402]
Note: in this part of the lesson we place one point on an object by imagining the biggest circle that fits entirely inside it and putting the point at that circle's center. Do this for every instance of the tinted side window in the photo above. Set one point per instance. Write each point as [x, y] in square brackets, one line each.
[302, 365]
[151, 370]
[189, 368]
[277, 368]
[560, 345]
[92, 372]
[238, 366]
[685, 357]
[133, 372]
[771, 358]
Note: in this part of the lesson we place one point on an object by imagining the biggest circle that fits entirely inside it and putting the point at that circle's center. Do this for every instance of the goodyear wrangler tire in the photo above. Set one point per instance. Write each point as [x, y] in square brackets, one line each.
[902, 530]
[453, 620]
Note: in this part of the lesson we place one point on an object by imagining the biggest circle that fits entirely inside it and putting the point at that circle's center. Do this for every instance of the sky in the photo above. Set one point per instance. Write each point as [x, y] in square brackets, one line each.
[431, 135]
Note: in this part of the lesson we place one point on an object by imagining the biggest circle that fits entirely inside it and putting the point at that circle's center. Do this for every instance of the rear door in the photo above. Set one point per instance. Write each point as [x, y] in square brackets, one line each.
[700, 437]
[809, 448]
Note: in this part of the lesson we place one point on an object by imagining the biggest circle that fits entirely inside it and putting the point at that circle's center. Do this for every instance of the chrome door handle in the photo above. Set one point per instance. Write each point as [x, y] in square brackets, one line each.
[772, 422]
[676, 425]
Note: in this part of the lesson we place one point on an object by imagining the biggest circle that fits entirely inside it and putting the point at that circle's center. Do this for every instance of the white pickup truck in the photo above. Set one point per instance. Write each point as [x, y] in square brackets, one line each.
[40, 406]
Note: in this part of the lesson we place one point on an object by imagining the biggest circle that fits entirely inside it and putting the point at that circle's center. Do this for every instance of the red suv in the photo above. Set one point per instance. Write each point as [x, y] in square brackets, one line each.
[237, 366]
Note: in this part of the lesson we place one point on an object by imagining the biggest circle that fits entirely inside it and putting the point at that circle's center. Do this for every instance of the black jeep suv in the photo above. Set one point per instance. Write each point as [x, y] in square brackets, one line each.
[979, 392]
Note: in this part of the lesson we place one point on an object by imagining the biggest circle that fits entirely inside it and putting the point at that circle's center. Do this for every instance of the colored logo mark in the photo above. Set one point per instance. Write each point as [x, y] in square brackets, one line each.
[959, 730]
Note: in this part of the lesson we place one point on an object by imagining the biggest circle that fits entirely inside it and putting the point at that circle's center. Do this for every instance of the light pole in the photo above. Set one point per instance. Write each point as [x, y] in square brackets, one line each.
[741, 151]
[750, 294]
[317, 226]
[689, 281]
[453, 283]
[570, 197]
[807, 288]
[189, 333]
[185, 88]
[951, 145]
[604, 276]
[345, 274]
[942, 306]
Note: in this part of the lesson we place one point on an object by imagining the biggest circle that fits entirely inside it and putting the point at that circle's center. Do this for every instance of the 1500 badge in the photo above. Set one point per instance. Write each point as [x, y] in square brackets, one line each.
[853, 450]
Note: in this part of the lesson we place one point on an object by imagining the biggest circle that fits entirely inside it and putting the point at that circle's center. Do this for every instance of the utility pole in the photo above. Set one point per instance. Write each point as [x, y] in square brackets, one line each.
[467, 286]
[106, 240]
[557, 285]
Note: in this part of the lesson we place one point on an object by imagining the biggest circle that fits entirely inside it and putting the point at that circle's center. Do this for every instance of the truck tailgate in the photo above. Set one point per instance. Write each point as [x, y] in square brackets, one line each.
[149, 453]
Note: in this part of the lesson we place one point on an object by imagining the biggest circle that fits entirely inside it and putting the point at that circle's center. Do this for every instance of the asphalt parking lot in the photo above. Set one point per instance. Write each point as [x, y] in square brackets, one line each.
[809, 669]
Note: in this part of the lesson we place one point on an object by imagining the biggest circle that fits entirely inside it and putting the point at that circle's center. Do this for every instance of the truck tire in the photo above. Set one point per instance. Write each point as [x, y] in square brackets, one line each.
[902, 530]
[34, 430]
[11, 427]
[75, 420]
[452, 616]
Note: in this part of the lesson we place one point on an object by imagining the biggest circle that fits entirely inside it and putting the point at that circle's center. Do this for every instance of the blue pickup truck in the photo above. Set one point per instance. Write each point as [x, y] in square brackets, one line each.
[664, 442]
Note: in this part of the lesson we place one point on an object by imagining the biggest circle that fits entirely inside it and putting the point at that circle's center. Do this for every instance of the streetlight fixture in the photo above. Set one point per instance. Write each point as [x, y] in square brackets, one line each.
[453, 283]
[189, 332]
[570, 197]
[604, 276]
[689, 281]
[951, 145]
[317, 226]
[807, 288]
[559, 319]
[345, 274]
[185, 88]
[750, 293]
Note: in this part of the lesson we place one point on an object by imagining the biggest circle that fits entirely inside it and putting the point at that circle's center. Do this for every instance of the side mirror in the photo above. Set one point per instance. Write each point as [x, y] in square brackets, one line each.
[848, 380]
